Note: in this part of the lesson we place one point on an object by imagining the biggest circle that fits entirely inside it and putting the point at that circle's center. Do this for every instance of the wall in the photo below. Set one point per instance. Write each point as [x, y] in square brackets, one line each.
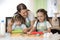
[8, 7]
[40, 4]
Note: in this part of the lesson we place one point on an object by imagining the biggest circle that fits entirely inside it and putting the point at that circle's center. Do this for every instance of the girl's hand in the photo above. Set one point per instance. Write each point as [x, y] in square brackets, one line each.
[44, 31]
[28, 32]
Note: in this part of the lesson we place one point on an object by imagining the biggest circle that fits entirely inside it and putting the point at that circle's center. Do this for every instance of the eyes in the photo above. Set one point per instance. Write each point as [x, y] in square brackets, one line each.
[40, 16]
[24, 11]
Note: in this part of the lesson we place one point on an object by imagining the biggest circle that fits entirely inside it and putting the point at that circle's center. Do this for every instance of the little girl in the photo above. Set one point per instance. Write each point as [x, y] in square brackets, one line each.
[19, 23]
[42, 24]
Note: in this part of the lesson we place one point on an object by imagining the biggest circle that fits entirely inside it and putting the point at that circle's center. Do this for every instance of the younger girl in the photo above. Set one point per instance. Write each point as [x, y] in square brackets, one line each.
[42, 24]
[19, 23]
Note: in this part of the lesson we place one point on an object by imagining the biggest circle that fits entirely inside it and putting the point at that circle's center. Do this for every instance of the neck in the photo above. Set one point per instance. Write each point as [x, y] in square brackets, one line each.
[42, 21]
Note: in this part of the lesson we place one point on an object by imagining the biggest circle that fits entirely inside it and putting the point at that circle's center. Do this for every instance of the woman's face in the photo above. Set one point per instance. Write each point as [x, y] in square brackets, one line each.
[41, 16]
[24, 13]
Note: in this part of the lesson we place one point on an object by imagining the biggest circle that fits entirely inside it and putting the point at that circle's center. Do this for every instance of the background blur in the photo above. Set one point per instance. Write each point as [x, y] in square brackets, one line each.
[8, 7]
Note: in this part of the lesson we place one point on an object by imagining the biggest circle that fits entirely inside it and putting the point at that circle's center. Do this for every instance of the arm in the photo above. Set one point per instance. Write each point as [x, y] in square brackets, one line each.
[31, 18]
[24, 28]
[48, 27]
[31, 30]
[9, 28]
[32, 23]
[48, 30]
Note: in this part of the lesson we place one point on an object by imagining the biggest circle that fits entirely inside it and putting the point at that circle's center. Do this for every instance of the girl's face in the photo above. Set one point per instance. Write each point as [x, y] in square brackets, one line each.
[18, 23]
[24, 13]
[41, 16]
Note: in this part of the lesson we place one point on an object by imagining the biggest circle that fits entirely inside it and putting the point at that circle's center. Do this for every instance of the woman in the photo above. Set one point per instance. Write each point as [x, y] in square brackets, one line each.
[22, 10]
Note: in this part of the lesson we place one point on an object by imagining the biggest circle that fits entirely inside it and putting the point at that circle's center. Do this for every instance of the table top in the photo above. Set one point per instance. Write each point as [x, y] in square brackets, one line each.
[26, 35]
[30, 37]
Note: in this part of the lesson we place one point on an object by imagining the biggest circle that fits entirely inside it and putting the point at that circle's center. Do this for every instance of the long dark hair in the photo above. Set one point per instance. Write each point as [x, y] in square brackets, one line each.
[20, 7]
[19, 18]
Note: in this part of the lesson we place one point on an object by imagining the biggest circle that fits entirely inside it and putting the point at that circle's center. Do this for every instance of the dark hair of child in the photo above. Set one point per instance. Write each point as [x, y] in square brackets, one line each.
[44, 12]
[19, 18]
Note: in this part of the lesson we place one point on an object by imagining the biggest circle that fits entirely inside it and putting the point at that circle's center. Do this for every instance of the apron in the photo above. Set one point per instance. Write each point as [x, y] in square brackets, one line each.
[27, 22]
[41, 28]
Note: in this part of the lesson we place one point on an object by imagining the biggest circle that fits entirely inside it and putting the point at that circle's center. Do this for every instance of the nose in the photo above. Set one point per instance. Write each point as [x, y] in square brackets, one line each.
[38, 17]
[25, 14]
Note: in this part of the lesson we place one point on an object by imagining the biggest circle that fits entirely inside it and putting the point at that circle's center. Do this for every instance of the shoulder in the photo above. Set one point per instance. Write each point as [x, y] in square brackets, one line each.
[16, 14]
[47, 21]
[48, 24]
[31, 16]
[30, 13]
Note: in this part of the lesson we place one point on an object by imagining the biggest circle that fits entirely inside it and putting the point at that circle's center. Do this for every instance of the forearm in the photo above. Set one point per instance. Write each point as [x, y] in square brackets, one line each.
[29, 28]
[32, 29]
[48, 30]
[9, 29]
[31, 25]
